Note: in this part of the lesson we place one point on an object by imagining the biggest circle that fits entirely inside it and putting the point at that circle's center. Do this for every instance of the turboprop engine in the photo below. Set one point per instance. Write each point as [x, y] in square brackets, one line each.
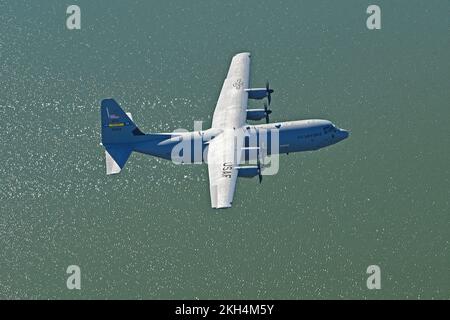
[258, 114]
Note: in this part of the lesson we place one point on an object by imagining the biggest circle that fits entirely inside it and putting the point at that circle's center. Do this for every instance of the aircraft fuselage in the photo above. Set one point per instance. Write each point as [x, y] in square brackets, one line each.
[294, 136]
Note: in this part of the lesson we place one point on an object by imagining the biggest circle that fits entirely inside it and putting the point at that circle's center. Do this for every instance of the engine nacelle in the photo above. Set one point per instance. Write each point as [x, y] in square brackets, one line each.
[256, 114]
[256, 93]
[248, 171]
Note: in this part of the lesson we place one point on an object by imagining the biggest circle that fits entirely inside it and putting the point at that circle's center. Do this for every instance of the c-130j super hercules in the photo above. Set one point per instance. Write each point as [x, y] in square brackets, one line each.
[229, 142]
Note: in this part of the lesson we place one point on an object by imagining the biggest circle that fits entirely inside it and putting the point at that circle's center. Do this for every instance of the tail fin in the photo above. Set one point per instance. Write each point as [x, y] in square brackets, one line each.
[118, 131]
[117, 127]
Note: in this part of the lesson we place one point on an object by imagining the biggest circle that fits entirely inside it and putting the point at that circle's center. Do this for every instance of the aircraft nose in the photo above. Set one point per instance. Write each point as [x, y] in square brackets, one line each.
[343, 134]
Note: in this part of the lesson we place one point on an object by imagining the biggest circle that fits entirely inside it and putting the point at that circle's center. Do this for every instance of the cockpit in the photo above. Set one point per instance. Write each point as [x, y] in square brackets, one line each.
[329, 128]
[336, 134]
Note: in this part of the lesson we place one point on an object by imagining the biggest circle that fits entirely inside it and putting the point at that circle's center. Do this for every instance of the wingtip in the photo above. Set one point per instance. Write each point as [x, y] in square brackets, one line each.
[223, 206]
[243, 54]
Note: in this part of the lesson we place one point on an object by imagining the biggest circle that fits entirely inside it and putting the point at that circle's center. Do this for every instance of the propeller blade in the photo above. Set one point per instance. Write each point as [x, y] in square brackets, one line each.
[267, 112]
[269, 92]
[259, 167]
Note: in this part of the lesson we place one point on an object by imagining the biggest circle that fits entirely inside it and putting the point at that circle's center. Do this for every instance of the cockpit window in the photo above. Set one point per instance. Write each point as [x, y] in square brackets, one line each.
[329, 128]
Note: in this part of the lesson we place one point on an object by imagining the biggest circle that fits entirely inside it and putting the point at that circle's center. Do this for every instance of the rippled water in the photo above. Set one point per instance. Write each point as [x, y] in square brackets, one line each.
[381, 197]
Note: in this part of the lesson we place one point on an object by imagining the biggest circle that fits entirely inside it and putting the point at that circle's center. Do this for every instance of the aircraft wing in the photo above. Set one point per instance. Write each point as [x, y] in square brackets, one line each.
[230, 114]
[223, 160]
[232, 103]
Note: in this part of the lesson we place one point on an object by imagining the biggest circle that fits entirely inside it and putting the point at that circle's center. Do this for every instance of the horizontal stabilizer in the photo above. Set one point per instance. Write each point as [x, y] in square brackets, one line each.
[116, 156]
[111, 165]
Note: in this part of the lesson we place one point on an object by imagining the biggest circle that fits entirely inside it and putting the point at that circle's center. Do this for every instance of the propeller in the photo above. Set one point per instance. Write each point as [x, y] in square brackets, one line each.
[259, 172]
[269, 92]
[259, 166]
[267, 112]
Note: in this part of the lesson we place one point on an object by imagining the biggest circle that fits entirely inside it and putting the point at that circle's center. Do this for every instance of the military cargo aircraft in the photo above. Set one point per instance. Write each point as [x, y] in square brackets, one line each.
[232, 147]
